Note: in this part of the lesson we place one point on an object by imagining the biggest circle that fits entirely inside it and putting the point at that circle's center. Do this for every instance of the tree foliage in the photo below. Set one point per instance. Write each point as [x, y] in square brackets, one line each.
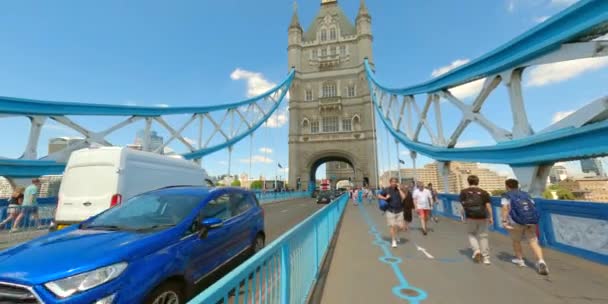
[561, 193]
[236, 183]
[257, 184]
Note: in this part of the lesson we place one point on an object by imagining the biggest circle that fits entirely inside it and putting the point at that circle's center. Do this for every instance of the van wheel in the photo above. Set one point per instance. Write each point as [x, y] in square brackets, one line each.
[258, 244]
[166, 293]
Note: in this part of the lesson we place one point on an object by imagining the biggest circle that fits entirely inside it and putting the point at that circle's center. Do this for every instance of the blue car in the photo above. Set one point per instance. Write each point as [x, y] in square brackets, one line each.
[157, 247]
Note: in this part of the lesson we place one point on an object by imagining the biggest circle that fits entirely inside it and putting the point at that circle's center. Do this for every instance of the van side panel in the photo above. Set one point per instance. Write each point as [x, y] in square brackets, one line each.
[142, 175]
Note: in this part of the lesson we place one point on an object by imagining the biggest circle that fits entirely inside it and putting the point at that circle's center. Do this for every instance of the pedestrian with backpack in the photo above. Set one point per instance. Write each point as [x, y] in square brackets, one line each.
[520, 217]
[394, 209]
[478, 215]
[408, 206]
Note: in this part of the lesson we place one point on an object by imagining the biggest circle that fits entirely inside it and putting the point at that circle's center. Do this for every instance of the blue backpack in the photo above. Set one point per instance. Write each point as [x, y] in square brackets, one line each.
[523, 211]
[383, 205]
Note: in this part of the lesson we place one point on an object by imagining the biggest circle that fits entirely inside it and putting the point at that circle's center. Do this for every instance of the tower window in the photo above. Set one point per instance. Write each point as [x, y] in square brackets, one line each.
[332, 34]
[323, 52]
[315, 54]
[350, 92]
[308, 95]
[343, 50]
[330, 124]
[333, 50]
[314, 127]
[329, 90]
[346, 125]
[323, 35]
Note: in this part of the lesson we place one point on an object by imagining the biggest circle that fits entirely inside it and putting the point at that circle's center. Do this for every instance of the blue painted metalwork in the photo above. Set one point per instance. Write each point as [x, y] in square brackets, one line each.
[286, 270]
[568, 143]
[577, 211]
[578, 20]
[269, 197]
[19, 168]
[21, 106]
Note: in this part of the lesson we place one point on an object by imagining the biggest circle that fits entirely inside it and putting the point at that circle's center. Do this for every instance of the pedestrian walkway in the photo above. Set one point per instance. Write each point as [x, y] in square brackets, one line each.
[438, 268]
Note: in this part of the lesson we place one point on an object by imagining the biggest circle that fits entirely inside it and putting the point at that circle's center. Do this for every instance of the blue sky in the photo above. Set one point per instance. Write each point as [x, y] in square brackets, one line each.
[210, 52]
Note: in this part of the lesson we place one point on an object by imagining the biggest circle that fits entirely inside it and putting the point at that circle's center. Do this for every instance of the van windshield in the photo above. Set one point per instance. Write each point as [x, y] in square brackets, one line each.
[90, 181]
[147, 212]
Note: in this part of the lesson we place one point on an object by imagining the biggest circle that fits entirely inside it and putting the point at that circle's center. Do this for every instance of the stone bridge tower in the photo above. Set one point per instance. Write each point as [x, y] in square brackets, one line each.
[330, 111]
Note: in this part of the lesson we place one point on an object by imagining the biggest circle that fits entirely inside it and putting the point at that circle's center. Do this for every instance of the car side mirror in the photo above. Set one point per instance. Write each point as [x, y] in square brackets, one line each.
[208, 224]
[212, 222]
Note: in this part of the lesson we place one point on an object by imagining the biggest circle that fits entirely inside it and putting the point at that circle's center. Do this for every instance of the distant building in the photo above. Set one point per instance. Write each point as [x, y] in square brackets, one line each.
[557, 174]
[156, 141]
[59, 143]
[592, 165]
[593, 189]
[457, 178]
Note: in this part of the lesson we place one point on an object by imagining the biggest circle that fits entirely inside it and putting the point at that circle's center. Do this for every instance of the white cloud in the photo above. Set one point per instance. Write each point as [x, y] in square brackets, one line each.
[257, 159]
[467, 143]
[190, 141]
[463, 91]
[256, 82]
[265, 150]
[560, 71]
[511, 6]
[284, 170]
[161, 105]
[223, 162]
[541, 19]
[563, 2]
[561, 115]
[130, 103]
[442, 70]
[277, 120]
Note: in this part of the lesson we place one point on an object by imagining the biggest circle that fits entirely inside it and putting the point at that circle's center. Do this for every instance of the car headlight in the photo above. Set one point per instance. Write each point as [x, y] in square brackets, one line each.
[66, 287]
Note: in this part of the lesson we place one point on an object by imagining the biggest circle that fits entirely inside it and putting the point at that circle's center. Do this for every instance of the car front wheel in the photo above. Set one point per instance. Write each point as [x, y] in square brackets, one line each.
[167, 293]
[258, 244]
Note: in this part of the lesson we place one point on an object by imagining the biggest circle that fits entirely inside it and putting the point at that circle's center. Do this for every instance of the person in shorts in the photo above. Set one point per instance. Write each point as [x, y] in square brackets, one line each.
[423, 199]
[394, 214]
[30, 203]
[519, 232]
[478, 213]
[14, 206]
[434, 204]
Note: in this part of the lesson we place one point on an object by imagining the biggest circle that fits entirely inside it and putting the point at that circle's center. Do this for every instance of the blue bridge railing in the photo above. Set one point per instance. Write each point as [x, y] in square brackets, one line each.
[573, 227]
[286, 270]
[267, 197]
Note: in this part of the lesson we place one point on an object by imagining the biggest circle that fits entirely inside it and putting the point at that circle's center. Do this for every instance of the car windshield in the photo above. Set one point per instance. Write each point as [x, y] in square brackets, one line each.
[146, 212]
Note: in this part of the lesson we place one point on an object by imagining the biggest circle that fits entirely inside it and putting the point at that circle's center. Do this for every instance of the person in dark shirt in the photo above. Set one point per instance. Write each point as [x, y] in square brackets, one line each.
[394, 215]
[478, 215]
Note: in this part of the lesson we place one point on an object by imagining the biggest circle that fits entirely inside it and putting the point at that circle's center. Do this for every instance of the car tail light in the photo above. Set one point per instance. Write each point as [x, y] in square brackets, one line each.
[116, 200]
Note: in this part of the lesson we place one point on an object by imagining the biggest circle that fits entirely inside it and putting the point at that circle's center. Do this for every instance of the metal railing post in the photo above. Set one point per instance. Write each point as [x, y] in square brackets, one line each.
[285, 274]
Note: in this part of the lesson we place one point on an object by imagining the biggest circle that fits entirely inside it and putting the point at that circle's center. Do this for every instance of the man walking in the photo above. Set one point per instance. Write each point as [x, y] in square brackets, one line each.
[30, 203]
[422, 200]
[520, 217]
[478, 214]
[435, 202]
[394, 214]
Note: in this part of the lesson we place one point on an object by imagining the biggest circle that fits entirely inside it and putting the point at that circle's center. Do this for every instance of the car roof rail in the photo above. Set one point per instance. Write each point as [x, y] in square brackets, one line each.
[179, 186]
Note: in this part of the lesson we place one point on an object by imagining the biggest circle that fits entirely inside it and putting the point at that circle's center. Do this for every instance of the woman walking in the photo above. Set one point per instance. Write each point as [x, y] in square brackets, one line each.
[14, 205]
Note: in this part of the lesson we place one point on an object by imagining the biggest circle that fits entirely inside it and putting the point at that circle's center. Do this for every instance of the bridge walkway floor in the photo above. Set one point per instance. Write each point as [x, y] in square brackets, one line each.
[438, 268]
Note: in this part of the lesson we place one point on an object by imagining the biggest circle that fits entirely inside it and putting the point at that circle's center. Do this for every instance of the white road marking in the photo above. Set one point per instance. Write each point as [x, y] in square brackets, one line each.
[284, 210]
[428, 255]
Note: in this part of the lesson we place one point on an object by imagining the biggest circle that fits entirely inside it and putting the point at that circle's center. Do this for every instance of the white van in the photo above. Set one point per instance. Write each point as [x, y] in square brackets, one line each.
[96, 179]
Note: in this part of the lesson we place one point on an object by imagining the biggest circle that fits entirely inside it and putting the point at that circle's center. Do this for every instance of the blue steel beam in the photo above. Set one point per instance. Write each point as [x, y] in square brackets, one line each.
[578, 20]
[20, 106]
[19, 168]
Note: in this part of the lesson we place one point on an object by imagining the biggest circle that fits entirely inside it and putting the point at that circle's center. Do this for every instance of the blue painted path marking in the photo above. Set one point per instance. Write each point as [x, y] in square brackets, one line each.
[404, 290]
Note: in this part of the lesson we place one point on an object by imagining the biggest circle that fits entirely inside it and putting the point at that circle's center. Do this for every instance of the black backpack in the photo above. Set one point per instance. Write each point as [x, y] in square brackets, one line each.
[474, 206]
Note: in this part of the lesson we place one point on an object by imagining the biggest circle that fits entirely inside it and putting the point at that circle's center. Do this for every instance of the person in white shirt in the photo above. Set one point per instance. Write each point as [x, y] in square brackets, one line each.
[423, 199]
